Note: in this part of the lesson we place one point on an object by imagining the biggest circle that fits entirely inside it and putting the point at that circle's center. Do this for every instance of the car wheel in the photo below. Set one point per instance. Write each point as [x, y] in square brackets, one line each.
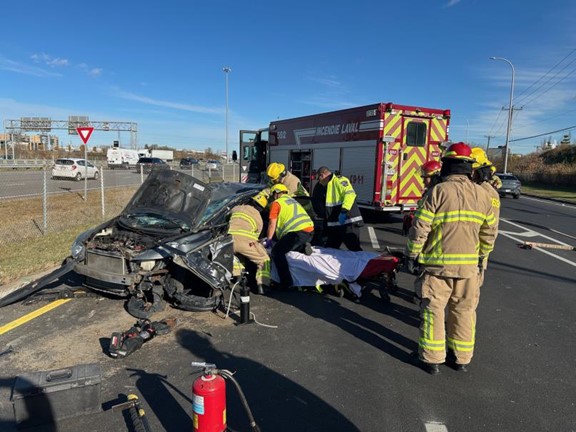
[516, 196]
[78, 177]
[96, 175]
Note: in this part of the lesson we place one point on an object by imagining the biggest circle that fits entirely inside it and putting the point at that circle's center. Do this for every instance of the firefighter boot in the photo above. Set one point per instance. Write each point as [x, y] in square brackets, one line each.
[262, 289]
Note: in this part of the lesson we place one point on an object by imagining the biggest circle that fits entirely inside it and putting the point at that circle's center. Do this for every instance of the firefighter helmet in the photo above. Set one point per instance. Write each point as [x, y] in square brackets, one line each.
[275, 171]
[480, 158]
[430, 169]
[459, 151]
[279, 188]
[261, 199]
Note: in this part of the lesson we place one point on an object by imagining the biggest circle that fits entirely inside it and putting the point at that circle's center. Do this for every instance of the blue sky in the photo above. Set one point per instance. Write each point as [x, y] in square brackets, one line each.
[159, 64]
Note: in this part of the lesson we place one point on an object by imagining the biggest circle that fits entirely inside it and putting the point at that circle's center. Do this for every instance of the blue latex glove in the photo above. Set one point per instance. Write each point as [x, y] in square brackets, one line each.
[342, 218]
[266, 243]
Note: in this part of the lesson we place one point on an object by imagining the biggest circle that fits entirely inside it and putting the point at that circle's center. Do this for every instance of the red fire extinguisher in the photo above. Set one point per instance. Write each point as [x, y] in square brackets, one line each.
[209, 399]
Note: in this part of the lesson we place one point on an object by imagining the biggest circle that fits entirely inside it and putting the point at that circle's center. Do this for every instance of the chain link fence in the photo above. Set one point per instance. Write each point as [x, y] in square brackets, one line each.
[33, 204]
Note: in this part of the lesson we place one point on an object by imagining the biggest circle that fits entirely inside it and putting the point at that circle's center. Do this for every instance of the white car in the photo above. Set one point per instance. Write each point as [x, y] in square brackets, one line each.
[213, 165]
[74, 169]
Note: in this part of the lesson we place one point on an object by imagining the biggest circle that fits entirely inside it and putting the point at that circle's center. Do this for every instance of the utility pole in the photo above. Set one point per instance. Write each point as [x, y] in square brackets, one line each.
[226, 71]
[488, 143]
[510, 110]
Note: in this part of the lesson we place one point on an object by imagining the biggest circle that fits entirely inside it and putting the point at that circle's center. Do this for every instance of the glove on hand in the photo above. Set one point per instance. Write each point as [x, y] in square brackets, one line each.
[412, 266]
[266, 243]
[342, 218]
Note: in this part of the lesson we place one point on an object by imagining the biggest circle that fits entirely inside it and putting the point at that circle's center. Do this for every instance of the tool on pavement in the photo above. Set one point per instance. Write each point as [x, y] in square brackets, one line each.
[137, 413]
[531, 245]
[125, 343]
[8, 350]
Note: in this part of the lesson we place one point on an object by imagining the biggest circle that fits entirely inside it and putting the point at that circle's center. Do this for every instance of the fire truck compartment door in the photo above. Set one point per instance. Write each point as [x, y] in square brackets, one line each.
[358, 165]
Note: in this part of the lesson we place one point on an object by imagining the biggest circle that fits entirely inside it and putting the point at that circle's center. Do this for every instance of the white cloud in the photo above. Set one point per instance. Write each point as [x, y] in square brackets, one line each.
[95, 72]
[49, 60]
[452, 3]
[13, 66]
[167, 104]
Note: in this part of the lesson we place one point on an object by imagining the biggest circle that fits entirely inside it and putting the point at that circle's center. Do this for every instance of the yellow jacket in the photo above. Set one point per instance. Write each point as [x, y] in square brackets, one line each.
[454, 228]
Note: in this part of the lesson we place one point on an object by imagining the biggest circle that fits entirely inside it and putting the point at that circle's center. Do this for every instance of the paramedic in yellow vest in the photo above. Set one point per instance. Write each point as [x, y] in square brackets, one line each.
[293, 229]
[343, 217]
[245, 227]
[483, 175]
[277, 174]
[452, 233]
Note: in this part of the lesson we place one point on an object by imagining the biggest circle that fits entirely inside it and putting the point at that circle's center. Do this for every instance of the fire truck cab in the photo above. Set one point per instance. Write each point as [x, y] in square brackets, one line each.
[379, 147]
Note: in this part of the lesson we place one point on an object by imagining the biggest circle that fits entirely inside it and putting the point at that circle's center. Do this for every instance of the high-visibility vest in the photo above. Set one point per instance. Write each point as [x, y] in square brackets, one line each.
[292, 217]
[340, 196]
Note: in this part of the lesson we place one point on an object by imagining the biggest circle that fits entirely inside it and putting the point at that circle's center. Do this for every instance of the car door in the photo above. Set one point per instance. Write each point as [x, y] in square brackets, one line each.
[91, 169]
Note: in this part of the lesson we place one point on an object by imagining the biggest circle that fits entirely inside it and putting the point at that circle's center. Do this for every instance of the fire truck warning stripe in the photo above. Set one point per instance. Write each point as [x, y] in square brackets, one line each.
[29, 317]
[438, 130]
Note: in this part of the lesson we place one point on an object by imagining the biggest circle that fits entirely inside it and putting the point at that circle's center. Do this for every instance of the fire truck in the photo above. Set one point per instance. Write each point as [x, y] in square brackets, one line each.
[379, 147]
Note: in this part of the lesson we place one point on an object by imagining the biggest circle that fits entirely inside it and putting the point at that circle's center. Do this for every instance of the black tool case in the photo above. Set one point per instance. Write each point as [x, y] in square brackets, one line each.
[43, 397]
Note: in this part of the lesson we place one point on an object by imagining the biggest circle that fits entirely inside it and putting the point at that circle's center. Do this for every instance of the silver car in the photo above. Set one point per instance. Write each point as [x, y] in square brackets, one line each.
[510, 185]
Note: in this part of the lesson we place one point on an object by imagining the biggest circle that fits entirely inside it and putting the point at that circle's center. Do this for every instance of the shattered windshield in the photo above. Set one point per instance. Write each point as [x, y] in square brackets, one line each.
[151, 221]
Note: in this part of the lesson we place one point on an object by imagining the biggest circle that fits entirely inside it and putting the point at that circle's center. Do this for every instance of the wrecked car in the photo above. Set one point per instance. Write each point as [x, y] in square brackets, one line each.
[170, 243]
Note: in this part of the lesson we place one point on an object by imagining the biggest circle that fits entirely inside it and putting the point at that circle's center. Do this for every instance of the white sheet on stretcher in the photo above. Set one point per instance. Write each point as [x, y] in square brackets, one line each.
[326, 266]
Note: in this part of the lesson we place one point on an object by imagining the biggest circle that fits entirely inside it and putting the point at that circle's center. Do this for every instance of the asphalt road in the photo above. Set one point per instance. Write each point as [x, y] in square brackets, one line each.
[27, 183]
[332, 365]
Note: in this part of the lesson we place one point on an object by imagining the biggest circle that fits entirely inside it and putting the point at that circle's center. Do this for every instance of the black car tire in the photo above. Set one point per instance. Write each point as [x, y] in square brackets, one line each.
[78, 177]
[96, 175]
[516, 196]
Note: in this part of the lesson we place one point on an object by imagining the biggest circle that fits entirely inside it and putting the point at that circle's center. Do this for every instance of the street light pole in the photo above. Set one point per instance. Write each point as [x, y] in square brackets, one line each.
[227, 70]
[510, 111]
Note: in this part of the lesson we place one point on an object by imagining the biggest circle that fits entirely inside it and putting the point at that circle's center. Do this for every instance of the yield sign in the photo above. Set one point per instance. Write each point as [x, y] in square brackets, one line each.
[85, 133]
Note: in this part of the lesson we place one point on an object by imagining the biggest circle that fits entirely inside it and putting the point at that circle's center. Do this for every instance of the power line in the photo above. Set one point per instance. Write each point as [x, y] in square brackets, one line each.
[547, 133]
[545, 75]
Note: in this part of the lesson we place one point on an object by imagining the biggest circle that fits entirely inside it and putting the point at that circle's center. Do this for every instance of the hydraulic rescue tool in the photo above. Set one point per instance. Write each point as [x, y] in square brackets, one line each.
[531, 245]
[209, 399]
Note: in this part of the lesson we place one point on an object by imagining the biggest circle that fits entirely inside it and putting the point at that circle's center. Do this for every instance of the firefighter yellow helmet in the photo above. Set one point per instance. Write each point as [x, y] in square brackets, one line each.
[279, 188]
[481, 160]
[261, 199]
[275, 171]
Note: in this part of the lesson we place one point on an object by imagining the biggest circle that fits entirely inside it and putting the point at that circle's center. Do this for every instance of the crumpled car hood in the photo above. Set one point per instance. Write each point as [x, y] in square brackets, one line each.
[183, 197]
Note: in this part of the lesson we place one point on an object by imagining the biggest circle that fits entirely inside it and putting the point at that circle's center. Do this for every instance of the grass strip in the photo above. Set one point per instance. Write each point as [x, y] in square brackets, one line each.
[566, 193]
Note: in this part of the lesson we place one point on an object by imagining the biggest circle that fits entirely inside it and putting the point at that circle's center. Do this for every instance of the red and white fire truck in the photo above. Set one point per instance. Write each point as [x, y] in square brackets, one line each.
[379, 147]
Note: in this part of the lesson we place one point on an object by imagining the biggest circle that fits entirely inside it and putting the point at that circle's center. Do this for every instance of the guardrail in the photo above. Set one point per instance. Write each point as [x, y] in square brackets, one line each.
[24, 163]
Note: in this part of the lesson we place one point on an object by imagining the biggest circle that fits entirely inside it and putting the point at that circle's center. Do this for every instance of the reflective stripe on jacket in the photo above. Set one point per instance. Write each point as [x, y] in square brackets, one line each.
[453, 228]
[245, 221]
[292, 217]
[340, 196]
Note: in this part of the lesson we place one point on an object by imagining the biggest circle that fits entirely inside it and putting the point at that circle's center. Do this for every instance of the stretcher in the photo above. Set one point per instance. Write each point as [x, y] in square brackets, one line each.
[347, 271]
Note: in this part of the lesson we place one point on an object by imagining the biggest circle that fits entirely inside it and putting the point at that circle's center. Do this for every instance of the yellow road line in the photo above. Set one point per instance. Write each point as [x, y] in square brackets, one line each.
[28, 317]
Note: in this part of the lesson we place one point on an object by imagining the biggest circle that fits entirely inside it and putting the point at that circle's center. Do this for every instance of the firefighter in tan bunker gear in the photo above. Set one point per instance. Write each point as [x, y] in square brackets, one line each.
[278, 174]
[245, 227]
[452, 234]
[484, 176]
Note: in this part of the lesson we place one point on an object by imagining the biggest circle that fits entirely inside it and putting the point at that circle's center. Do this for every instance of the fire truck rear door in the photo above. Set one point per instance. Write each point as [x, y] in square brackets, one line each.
[413, 156]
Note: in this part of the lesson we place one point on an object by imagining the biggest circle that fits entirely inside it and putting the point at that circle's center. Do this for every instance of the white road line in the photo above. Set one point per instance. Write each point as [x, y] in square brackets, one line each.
[373, 238]
[561, 233]
[435, 427]
[550, 202]
[531, 231]
[15, 184]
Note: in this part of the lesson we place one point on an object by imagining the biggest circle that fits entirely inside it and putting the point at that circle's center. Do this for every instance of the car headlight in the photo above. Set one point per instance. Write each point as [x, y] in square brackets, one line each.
[78, 249]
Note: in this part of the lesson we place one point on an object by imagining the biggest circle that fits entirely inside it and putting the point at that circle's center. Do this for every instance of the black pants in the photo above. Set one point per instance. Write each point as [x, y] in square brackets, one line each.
[348, 234]
[293, 241]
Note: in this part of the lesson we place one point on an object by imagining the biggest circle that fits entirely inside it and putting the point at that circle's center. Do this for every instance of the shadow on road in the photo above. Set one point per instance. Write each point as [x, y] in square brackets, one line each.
[362, 328]
[276, 402]
[511, 268]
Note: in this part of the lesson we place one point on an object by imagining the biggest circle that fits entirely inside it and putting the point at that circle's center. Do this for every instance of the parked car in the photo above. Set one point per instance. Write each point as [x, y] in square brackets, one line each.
[72, 168]
[187, 162]
[170, 243]
[510, 185]
[146, 164]
[213, 164]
